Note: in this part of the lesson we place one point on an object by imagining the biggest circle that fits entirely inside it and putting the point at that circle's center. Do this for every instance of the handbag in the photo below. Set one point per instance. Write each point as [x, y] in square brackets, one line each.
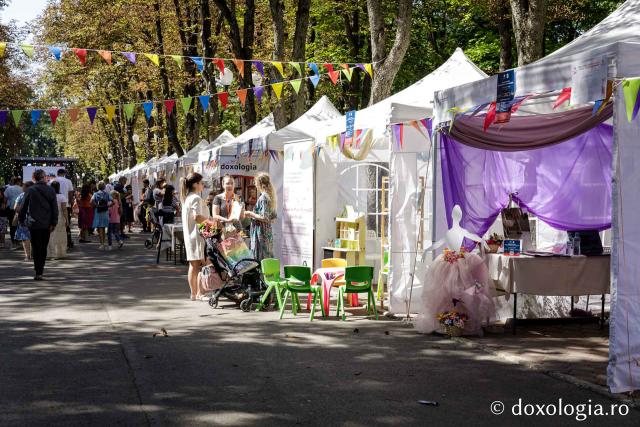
[208, 279]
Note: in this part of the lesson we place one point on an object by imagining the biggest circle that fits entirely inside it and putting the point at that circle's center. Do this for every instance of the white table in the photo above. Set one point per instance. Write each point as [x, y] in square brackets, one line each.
[550, 276]
[171, 234]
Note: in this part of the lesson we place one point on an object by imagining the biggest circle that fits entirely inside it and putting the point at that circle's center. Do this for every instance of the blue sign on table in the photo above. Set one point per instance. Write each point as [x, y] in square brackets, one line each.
[512, 246]
[351, 122]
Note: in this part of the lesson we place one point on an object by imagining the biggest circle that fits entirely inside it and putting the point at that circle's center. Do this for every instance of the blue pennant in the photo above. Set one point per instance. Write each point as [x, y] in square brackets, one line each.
[56, 51]
[315, 80]
[314, 67]
[199, 62]
[35, 115]
[204, 100]
[148, 108]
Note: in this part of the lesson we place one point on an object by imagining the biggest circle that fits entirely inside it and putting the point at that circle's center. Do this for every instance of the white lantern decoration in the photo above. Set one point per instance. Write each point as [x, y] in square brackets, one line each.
[227, 78]
[257, 78]
[135, 138]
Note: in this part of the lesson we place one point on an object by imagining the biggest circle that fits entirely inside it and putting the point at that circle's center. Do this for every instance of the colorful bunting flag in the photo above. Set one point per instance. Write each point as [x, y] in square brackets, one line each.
[17, 115]
[3, 117]
[153, 58]
[3, 47]
[596, 107]
[315, 80]
[130, 56]
[199, 62]
[224, 99]
[186, 103]
[106, 55]
[73, 114]
[220, 64]
[333, 75]
[361, 66]
[169, 104]
[239, 63]
[277, 89]
[348, 73]
[242, 96]
[91, 112]
[564, 96]
[111, 112]
[296, 66]
[490, 117]
[630, 92]
[53, 114]
[259, 66]
[295, 84]
[258, 91]
[81, 54]
[314, 67]
[27, 49]
[278, 66]
[204, 101]
[369, 69]
[329, 67]
[148, 108]
[35, 116]
[56, 51]
[129, 109]
[178, 60]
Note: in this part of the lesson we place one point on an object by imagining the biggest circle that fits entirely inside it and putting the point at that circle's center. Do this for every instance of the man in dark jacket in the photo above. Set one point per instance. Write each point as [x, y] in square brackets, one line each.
[40, 212]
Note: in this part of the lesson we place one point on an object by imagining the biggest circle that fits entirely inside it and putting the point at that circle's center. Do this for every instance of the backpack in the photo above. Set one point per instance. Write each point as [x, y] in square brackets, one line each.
[148, 197]
[102, 205]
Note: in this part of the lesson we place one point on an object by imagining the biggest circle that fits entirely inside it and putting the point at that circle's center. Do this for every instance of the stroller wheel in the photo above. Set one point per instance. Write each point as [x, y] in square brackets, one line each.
[245, 305]
[213, 302]
[147, 243]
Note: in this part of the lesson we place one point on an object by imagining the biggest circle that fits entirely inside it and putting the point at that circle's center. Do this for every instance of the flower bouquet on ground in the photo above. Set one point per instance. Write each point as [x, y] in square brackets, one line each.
[208, 229]
[494, 242]
[453, 322]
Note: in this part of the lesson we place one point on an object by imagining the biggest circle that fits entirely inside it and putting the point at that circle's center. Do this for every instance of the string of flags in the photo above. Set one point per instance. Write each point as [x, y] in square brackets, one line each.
[200, 61]
[186, 103]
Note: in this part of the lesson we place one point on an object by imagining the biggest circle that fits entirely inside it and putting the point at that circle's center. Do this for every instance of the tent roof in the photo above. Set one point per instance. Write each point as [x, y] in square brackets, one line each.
[224, 138]
[552, 72]
[258, 134]
[305, 126]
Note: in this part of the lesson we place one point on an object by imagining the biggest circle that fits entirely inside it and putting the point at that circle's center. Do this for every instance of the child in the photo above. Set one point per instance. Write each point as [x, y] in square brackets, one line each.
[115, 210]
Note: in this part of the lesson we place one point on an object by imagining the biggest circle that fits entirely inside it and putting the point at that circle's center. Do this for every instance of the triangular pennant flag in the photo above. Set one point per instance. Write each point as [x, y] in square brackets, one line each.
[295, 84]
[199, 63]
[106, 55]
[111, 111]
[347, 72]
[314, 67]
[35, 116]
[169, 104]
[258, 91]
[596, 106]
[564, 96]
[278, 66]
[630, 91]
[220, 64]
[178, 60]
[27, 49]
[333, 75]
[315, 80]
[3, 117]
[204, 101]
[73, 114]
[130, 56]
[224, 99]
[345, 66]
[491, 116]
[186, 104]
[239, 63]
[242, 96]
[361, 66]
[56, 51]
[53, 114]
[81, 54]
[91, 112]
[3, 47]
[277, 89]
[259, 66]
[296, 66]
[369, 69]
[329, 67]
[128, 110]
[153, 58]
[148, 108]
[17, 115]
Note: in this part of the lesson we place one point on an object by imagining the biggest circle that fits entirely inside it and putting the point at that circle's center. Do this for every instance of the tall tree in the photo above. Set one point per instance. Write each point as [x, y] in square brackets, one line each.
[528, 25]
[387, 62]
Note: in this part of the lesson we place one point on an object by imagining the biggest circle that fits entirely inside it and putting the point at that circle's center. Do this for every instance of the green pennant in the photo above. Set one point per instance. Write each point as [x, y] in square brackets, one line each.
[347, 74]
[17, 115]
[27, 49]
[630, 90]
[296, 66]
[295, 84]
[128, 110]
[178, 60]
[186, 104]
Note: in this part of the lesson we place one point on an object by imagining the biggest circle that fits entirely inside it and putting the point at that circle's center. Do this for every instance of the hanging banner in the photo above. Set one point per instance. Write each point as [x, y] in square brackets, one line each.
[588, 81]
[298, 204]
[50, 171]
[241, 165]
[505, 95]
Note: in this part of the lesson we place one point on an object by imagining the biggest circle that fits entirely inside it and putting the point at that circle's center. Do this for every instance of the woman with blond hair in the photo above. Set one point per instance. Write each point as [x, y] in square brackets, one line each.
[262, 217]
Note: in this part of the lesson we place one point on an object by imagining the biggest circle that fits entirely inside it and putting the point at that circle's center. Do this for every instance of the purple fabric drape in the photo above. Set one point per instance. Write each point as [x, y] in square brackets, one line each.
[567, 185]
[528, 132]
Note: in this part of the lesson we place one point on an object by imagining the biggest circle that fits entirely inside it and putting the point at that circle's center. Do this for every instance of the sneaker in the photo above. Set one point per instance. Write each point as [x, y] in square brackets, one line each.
[120, 244]
[101, 247]
[38, 277]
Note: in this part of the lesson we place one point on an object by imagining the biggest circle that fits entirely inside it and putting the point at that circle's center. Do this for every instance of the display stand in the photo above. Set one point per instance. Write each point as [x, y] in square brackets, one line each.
[384, 242]
[351, 234]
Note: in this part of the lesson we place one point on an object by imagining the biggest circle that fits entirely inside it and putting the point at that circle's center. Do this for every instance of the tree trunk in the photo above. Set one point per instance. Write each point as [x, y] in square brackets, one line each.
[387, 63]
[505, 32]
[277, 18]
[189, 40]
[211, 118]
[528, 25]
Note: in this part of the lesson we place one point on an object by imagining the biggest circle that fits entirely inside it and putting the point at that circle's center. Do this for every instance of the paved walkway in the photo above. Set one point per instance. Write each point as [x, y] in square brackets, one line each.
[78, 349]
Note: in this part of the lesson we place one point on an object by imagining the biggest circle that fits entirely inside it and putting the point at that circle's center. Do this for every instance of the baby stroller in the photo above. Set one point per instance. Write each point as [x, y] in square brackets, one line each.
[241, 276]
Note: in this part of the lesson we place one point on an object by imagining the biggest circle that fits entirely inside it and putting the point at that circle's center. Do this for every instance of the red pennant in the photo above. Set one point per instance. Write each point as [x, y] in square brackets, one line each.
[54, 115]
[220, 64]
[242, 95]
[73, 113]
[333, 75]
[81, 54]
[564, 96]
[224, 99]
[490, 117]
[169, 104]
[328, 67]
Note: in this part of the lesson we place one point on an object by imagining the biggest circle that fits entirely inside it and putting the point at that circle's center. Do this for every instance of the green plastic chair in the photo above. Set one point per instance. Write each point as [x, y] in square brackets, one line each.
[357, 281]
[275, 283]
[298, 280]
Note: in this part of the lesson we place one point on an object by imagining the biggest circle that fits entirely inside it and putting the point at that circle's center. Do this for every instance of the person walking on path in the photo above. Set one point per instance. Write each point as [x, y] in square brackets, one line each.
[11, 193]
[100, 202]
[40, 213]
[129, 207]
[115, 213]
[68, 193]
[4, 218]
[57, 247]
[85, 212]
[262, 217]
[22, 232]
[194, 212]
[120, 187]
[145, 204]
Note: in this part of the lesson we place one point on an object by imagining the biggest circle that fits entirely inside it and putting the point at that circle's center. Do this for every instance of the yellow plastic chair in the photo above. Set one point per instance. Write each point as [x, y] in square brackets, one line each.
[334, 262]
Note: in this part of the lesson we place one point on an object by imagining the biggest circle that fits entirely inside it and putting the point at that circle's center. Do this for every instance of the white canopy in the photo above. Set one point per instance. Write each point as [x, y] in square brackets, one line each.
[306, 126]
[206, 154]
[256, 134]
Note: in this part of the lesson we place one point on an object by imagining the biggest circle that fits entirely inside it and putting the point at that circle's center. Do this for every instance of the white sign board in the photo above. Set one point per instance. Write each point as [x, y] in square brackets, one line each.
[51, 171]
[237, 165]
[298, 204]
[588, 81]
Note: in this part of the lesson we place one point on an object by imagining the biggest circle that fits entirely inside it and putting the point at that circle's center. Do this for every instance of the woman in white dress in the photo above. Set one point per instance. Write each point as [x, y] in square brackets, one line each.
[194, 212]
[58, 241]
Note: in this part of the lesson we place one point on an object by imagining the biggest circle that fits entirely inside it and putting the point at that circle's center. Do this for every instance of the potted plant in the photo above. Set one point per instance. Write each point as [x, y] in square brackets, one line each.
[453, 322]
[494, 242]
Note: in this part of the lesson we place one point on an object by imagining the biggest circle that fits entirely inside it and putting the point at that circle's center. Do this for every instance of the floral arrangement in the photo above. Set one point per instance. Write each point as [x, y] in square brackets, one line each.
[452, 318]
[452, 256]
[495, 239]
[208, 229]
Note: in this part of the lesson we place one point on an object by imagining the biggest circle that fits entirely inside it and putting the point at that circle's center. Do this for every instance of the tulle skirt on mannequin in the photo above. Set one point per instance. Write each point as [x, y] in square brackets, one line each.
[460, 281]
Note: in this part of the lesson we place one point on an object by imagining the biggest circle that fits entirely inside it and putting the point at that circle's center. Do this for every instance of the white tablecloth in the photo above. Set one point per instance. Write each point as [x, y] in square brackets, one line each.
[170, 234]
[550, 276]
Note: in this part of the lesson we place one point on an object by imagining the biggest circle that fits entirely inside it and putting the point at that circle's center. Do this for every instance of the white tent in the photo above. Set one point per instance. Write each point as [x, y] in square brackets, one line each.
[307, 126]
[207, 153]
[616, 41]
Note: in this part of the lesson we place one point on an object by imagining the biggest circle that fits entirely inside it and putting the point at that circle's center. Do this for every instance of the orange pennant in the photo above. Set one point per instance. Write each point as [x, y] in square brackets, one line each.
[73, 113]
[333, 75]
[242, 95]
[106, 55]
[239, 63]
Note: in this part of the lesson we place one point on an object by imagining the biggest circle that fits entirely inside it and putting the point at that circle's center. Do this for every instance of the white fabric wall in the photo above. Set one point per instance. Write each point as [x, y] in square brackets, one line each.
[326, 202]
[276, 171]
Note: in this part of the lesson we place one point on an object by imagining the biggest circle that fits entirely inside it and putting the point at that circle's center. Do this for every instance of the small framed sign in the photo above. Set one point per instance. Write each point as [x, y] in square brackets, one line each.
[512, 247]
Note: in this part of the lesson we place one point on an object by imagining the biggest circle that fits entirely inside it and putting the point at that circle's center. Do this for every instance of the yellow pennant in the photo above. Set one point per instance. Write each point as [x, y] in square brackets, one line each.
[153, 58]
[111, 111]
[369, 69]
[3, 46]
[277, 89]
[278, 66]
[27, 49]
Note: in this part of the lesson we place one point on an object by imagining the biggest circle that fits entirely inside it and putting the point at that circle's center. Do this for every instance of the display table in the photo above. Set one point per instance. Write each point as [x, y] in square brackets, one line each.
[550, 276]
[173, 235]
